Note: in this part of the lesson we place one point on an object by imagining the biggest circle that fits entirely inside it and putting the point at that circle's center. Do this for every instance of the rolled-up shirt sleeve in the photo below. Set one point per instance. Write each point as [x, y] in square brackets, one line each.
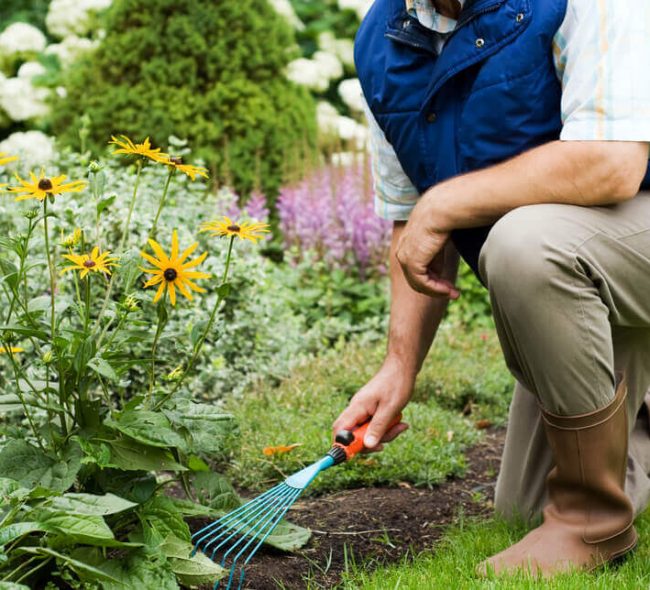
[395, 194]
[602, 53]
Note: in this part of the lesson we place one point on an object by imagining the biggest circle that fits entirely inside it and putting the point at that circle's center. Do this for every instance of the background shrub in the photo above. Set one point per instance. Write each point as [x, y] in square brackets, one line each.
[28, 11]
[207, 71]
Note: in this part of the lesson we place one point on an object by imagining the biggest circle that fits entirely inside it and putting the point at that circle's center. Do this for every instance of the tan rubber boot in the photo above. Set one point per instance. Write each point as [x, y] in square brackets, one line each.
[589, 518]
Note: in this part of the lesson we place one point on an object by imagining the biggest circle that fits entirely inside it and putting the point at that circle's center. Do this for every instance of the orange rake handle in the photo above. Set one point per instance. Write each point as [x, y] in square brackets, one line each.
[347, 443]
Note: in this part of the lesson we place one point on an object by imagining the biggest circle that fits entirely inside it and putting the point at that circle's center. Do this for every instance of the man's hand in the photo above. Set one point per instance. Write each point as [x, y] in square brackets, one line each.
[381, 400]
[420, 254]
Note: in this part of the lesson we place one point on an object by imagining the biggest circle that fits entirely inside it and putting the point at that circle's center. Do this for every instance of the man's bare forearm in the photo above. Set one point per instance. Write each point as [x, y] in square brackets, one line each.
[572, 172]
[414, 318]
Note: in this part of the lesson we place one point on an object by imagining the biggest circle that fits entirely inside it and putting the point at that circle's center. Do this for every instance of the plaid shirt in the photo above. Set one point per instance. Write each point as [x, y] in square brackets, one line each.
[601, 55]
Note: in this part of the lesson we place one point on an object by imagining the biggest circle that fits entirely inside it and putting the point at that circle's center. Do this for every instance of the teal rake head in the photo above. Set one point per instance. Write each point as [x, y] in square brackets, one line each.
[238, 535]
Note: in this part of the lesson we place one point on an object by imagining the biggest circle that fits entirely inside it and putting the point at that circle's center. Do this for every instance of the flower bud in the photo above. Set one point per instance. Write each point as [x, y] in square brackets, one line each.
[48, 357]
[130, 303]
[94, 167]
[176, 374]
[32, 213]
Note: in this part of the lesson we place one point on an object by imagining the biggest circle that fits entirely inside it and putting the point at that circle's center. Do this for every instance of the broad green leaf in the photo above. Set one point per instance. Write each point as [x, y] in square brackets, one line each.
[136, 486]
[103, 368]
[139, 571]
[208, 427]
[42, 303]
[215, 491]
[188, 509]
[288, 536]
[150, 428]
[18, 529]
[224, 289]
[90, 530]
[85, 350]
[90, 504]
[83, 569]
[31, 467]
[190, 571]
[161, 514]
[132, 456]
[10, 403]
[12, 586]
[23, 331]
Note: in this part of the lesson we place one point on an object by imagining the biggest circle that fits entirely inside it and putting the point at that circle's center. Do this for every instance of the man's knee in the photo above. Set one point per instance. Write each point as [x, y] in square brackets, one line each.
[526, 248]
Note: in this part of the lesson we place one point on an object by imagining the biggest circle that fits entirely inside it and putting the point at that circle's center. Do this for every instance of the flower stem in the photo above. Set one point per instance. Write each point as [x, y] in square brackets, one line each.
[199, 345]
[163, 200]
[125, 233]
[154, 346]
[51, 268]
[21, 271]
[87, 305]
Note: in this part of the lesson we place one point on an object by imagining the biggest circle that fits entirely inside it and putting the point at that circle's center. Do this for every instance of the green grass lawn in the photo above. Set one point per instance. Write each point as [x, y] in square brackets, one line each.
[464, 372]
[451, 565]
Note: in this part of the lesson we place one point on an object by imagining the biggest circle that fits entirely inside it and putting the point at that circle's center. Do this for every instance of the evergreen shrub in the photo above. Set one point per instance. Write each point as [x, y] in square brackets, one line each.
[208, 71]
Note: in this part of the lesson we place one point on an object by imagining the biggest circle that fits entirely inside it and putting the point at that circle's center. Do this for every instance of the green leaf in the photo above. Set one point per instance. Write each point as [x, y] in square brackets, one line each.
[12, 586]
[80, 567]
[190, 571]
[90, 504]
[136, 486]
[150, 428]
[139, 571]
[208, 427]
[103, 368]
[85, 351]
[31, 467]
[189, 509]
[215, 491]
[105, 204]
[224, 290]
[161, 514]
[132, 456]
[13, 531]
[288, 536]
[80, 528]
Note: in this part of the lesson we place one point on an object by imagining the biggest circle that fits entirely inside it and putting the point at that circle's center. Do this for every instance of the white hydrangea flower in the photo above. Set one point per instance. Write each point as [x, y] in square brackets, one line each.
[329, 65]
[31, 69]
[342, 48]
[23, 101]
[305, 72]
[35, 149]
[351, 94]
[21, 38]
[70, 49]
[361, 7]
[73, 17]
[327, 118]
[349, 130]
[348, 158]
[285, 9]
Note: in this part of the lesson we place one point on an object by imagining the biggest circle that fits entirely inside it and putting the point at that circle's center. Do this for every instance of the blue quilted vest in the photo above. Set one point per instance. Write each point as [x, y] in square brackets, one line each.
[491, 94]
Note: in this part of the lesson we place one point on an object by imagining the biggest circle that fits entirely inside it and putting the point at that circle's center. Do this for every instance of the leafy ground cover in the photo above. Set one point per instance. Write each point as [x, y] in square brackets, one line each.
[463, 387]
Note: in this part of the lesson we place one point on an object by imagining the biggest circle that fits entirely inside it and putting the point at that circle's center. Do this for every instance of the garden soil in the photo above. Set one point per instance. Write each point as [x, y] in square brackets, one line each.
[375, 526]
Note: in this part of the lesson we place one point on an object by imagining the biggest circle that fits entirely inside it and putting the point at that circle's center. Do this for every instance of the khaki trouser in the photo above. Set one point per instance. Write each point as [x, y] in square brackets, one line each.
[570, 292]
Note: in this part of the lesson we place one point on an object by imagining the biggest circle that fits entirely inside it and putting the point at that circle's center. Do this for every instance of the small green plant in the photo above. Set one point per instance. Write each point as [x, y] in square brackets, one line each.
[81, 463]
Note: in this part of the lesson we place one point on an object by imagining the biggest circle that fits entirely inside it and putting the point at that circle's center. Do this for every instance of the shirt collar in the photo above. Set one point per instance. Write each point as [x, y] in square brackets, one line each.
[425, 12]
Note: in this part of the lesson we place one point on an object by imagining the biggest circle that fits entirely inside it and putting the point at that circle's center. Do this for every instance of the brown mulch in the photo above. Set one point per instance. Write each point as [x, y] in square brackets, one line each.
[376, 525]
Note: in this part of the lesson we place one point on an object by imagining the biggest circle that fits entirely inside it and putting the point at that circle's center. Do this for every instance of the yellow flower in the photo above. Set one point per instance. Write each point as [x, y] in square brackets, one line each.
[144, 149]
[191, 171]
[243, 230]
[71, 240]
[10, 349]
[5, 159]
[172, 271]
[93, 262]
[41, 187]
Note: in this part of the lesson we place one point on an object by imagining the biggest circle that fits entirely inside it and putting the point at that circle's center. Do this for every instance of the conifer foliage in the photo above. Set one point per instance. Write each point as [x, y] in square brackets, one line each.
[210, 71]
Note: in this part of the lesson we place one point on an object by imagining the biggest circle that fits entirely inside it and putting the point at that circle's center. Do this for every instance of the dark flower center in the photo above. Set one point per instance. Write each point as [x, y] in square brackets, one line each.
[45, 184]
[176, 160]
[90, 263]
[170, 275]
[234, 228]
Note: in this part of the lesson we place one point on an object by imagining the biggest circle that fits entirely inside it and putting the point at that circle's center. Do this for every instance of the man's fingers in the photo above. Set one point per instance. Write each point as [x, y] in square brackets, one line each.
[394, 432]
[428, 284]
[379, 426]
[353, 415]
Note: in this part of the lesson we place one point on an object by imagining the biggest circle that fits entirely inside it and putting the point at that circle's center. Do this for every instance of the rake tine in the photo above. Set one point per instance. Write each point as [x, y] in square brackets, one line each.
[268, 524]
[240, 526]
[211, 529]
[269, 530]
